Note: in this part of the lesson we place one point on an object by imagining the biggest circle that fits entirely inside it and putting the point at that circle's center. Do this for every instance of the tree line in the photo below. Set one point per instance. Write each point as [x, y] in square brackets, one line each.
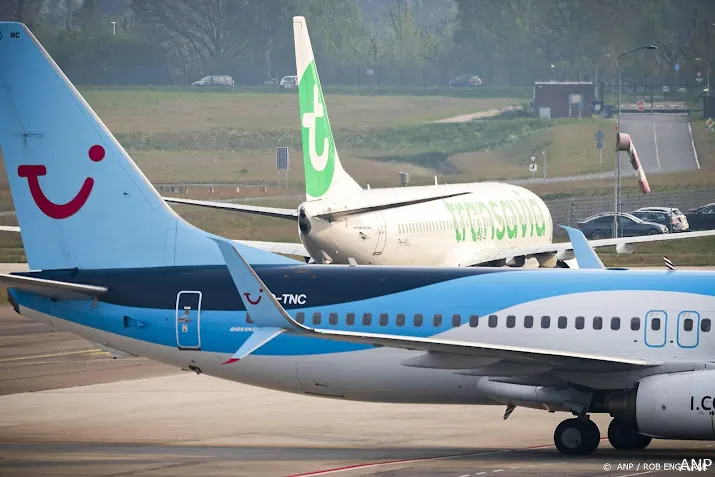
[373, 42]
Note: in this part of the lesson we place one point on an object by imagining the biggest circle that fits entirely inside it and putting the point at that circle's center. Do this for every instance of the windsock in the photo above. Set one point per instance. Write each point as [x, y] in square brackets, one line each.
[624, 143]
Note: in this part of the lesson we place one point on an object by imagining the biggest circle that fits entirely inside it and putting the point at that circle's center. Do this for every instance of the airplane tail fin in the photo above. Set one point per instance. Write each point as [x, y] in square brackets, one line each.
[324, 175]
[80, 200]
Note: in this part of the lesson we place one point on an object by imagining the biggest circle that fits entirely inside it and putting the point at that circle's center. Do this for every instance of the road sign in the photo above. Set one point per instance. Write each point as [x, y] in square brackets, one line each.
[666, 89]
[640, 105]
[709, 123]
[533, 158]
[600, 135]
[533, 167]
[599, 144]
[677, 67]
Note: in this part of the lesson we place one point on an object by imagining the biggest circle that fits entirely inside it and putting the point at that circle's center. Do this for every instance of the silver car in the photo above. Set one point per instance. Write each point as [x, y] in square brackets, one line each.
[677, 221]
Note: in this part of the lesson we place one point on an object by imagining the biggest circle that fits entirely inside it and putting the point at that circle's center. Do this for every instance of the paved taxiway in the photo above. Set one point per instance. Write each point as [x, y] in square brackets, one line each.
[92, 415]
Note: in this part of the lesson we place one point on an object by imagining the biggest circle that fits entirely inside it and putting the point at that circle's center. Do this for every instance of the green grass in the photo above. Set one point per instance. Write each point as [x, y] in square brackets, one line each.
[160, 110]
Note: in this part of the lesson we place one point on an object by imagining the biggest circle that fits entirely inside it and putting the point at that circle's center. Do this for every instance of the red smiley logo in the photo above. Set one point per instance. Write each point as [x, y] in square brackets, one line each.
[49, 208]
[252, 302]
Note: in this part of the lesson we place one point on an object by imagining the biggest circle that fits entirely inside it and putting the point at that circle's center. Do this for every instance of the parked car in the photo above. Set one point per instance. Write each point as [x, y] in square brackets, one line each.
[465, 80]
[671, 217]
[601, 226]
[702, 218]
[288, 82]
[214, 80]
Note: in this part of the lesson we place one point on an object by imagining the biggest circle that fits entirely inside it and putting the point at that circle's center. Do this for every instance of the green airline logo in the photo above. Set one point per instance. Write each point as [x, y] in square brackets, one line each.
[496, 220]
[318, 146]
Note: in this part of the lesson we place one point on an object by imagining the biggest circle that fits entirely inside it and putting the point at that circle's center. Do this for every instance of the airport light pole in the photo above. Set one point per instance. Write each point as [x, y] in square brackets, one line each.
[708, 78]
[617, 193]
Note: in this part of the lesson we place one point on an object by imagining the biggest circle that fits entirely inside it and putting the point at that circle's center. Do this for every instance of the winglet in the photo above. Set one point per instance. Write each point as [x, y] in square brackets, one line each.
[265, 310]
[259, 337]
[585, 254]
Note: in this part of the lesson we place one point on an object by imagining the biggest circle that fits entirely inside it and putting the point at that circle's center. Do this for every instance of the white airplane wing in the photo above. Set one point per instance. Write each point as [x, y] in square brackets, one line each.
[284, 248]
[291, 214]
[484, 256]
[271, 320]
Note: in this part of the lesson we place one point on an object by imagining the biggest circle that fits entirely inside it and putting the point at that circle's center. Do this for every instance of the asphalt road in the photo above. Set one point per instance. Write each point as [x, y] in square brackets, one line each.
[663, 142]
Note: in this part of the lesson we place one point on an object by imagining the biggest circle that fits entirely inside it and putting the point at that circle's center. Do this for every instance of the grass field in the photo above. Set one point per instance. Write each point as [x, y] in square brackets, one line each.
[186, 136]
[146, 110]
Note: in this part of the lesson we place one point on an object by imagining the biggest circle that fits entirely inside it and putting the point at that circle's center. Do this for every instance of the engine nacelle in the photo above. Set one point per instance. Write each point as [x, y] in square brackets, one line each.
[677, 406]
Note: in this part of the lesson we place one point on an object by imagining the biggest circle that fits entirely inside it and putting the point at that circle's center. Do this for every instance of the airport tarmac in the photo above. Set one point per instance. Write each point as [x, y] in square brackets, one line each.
[69, 409]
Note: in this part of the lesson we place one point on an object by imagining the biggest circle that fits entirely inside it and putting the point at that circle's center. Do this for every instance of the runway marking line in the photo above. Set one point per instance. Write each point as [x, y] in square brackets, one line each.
[417, 459]
[22, 358]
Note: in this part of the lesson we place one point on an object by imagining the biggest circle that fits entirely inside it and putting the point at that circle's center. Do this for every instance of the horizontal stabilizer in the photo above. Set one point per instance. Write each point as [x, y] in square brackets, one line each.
[257, 339]
[51, 288]
[337, 214]
[248, 209]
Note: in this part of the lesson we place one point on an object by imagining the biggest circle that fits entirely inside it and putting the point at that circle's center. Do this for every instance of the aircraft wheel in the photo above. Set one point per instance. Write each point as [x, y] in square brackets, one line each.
[624, 436]
[577, 437]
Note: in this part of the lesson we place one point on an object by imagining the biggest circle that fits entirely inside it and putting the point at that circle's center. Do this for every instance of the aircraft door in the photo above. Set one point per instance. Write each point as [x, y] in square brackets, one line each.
[656, 326]
[688, 334]
[381, 234]
[188, 316]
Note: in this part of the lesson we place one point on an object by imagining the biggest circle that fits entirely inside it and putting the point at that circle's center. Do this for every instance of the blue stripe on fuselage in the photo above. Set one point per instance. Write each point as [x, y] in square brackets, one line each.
[480, 294]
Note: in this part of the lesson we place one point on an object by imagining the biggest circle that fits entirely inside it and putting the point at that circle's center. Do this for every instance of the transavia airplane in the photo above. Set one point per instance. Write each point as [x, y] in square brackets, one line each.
[444, 225]
[110, 261]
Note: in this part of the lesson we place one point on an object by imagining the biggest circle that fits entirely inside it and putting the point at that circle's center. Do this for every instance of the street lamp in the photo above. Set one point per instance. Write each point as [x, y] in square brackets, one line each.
[617, 194]
[708, 62]
[553, 76]
[607, 55]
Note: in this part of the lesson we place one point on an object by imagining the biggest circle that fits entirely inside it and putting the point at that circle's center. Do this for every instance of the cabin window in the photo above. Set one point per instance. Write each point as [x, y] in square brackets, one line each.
[493, 321]
[249, 320]
[418, 319]
[688, 324]
[510, 321]
[350, 319]
[635, 323]
[615, 323]
[400, 319]
[705, 325]
[528, 321]
[655, 324]
[598, 323]
[367, 319]
[456, 321]
[316, 318]
[300, 317]
[383, 319]
[333, 318]
[563, 321]
[580, 322]
[545, 321]
[437, 320]
[473, 321]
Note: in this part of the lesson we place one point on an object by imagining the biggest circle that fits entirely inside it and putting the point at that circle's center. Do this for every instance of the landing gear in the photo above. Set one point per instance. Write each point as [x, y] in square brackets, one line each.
[625, 436]
[579, 436]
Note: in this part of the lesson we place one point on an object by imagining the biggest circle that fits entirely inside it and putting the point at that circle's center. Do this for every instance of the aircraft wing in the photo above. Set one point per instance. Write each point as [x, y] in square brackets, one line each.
[488, 255]
[275, 212]
[284, 248]
[51, 288]
[271, 320]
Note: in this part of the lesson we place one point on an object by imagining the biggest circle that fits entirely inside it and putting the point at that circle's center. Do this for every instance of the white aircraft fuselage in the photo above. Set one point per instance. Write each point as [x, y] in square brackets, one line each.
[488, 216]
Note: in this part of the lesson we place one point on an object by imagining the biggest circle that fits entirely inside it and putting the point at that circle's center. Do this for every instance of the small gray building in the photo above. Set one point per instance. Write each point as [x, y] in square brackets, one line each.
[563, 99]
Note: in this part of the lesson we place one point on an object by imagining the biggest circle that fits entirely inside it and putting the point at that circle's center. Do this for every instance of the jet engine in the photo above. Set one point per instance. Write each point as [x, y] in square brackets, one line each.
[670, 406]
[303, 222]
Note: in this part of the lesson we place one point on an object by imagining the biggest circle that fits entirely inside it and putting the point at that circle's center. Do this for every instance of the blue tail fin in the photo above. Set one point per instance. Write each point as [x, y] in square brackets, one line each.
[80, 200]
